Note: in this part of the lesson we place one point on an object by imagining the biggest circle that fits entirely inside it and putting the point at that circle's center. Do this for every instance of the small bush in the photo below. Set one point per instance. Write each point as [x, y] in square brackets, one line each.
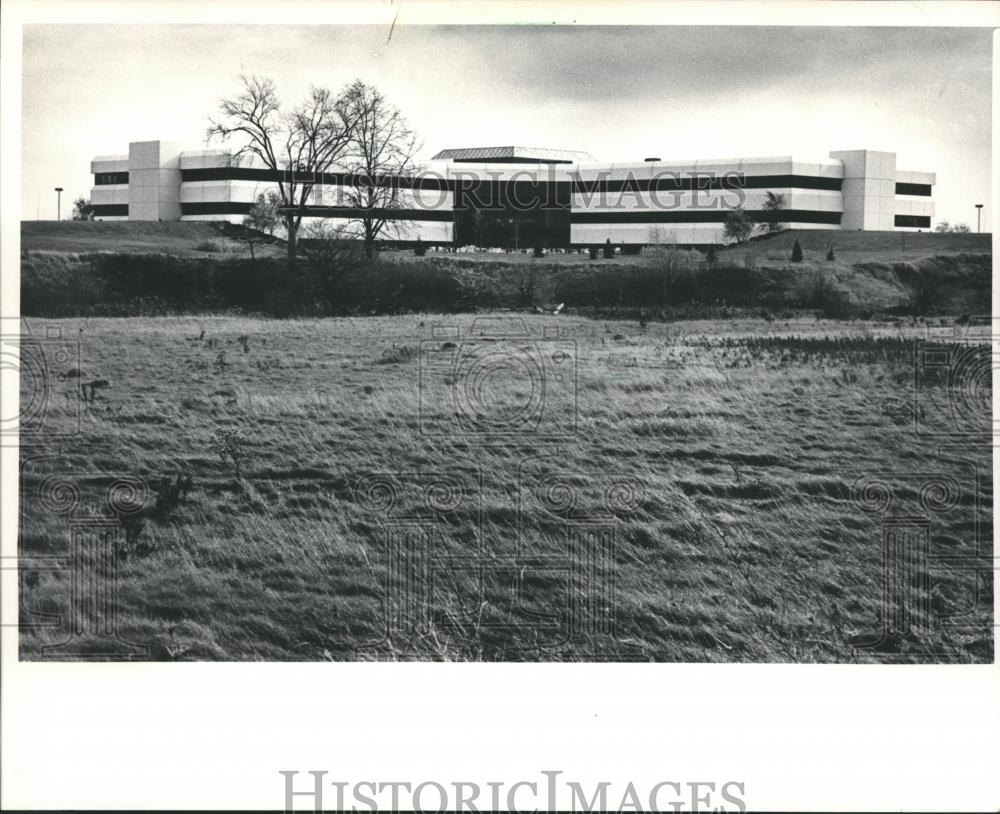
[398, 355]
[169, 494]
[209, 246]
[593, 251]
[712, 257]
[229, 445]
[829, 254]
[797, 253]
[420, 249]
[609, 250]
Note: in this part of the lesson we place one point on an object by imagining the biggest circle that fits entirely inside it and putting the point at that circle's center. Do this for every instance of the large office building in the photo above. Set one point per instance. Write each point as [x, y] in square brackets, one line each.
[523, 197]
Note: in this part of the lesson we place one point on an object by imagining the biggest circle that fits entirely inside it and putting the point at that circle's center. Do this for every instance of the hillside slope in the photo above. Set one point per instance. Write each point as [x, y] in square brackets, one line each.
[135, 268]
[861, 247]
[181, 238]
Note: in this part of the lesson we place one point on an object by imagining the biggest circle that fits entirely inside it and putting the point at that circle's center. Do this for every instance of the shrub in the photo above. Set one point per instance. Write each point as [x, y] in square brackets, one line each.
[538, 251]
[593, 251]
[229, 445]
[209, 246]
[829, 254]
[609, 250]
[926, 294]
[774, 205]
[796, 253]
[169, 494]
[398, 355]
[420, 249]
[712, 257]
[738, 225]
[673, 272]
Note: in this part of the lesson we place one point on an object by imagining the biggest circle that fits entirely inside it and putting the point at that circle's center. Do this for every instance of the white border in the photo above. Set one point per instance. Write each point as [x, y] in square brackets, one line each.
[216, 735]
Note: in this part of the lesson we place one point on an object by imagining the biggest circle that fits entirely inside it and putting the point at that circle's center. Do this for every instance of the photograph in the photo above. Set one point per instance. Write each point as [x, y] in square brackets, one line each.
[467, 406]
[504, 344]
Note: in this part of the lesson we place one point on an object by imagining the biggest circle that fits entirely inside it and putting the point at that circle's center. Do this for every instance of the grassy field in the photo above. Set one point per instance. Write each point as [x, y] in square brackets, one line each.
[776, 250]
[183, 239]
[389, 487]
[862, 247]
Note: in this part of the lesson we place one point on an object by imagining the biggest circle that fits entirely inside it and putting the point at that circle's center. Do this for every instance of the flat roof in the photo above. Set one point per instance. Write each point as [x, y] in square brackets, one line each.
[528, 154]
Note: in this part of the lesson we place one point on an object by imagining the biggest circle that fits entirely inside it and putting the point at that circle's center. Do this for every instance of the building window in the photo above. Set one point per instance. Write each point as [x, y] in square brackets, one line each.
[914, 221]
[110, 210]
[105, 178]
[913, 189]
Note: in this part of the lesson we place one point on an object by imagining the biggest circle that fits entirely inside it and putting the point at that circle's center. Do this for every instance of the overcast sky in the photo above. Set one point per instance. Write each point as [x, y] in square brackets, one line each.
[619, 93]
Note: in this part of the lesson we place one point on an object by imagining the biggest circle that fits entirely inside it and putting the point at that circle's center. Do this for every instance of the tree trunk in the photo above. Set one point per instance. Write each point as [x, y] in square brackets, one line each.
[292, 237]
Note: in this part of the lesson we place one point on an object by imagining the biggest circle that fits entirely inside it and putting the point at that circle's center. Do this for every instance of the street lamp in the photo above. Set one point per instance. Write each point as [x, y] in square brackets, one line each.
[979, 212]
[59, 203]
[516, 223]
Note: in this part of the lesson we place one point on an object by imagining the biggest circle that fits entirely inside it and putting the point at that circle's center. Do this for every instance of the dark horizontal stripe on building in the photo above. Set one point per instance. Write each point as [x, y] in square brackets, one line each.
[701, 216]
[913, 221]
[704, 181]
[664, 183]
[216, 208]
[913, 189]
[109, 210]
[233, 208]
[386, 214]
[104, 178]
[328, 178]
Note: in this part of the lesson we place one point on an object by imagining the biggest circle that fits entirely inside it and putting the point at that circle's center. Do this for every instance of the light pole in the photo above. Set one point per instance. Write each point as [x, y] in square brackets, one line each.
[59, 203]
[516, 223]
[979, 213]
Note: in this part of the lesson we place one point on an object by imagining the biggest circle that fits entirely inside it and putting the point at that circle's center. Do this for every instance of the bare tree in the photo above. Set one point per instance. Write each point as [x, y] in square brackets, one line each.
[738, 226]
[299, 145]
[774, 205]
[673, 267]
[332, 252]
[926, 294]
[272, 201]
[262, 217]
[380, 156]
[82, 209]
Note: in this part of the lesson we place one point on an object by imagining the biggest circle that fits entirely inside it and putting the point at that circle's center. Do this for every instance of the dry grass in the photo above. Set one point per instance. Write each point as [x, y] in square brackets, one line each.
[776, 250]
[860, 247]
[183, 239]
[720, 458]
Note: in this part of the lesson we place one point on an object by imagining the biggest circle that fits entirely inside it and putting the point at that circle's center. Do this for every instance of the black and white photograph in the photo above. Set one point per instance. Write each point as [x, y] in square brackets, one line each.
[503, 343]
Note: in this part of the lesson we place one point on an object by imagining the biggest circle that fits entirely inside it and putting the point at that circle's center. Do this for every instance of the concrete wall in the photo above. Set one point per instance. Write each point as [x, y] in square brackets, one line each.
[919, 205]
[109, 163]
[109, 194]
[154, 181]
[869, 189]
[780, 165]
[106, 194]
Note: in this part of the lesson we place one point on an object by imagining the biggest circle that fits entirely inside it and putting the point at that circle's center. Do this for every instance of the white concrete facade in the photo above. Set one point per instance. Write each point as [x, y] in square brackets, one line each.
[625, 203]
[154, 181]
[115, 195]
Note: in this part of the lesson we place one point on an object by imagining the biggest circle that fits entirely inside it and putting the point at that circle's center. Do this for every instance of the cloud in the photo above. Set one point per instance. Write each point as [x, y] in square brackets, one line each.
[617, 92]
